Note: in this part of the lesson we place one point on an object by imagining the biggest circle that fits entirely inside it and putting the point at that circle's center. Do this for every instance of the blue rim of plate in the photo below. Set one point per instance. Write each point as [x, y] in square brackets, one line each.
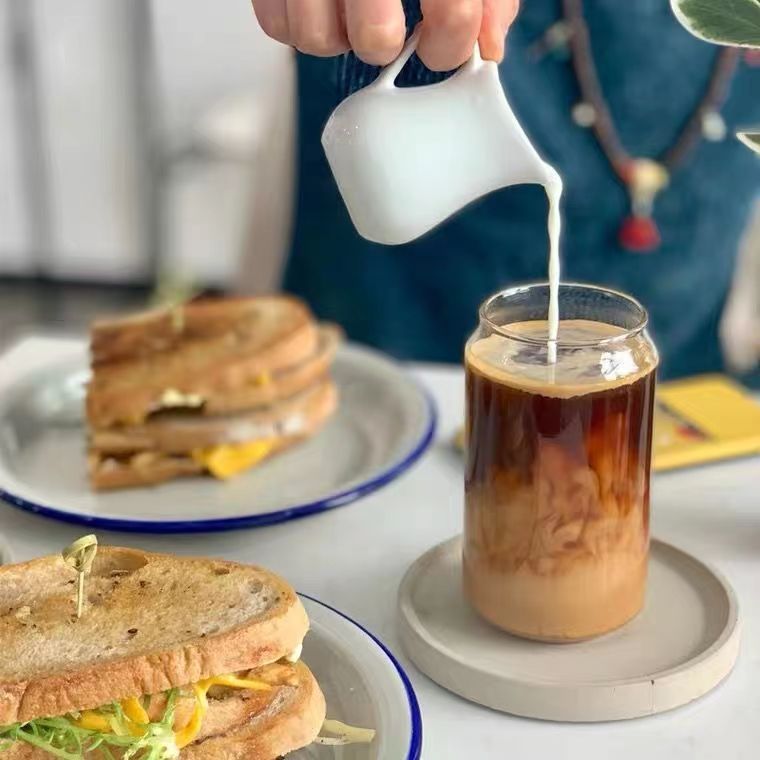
[340, 499]
[415, 745]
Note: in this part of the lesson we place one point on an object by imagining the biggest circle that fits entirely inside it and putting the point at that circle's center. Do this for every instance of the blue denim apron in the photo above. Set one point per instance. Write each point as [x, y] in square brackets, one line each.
[420, 300]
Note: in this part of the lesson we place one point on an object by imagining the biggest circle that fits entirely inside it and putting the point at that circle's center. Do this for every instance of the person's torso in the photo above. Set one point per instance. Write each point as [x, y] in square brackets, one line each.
[420, 300]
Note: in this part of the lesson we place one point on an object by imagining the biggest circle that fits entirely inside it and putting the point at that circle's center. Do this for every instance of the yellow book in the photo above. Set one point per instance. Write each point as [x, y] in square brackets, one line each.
[704, 419]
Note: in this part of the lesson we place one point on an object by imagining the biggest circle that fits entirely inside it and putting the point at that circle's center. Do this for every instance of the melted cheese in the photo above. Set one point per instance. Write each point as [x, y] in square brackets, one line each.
[92, 720]
[228, 460]
[134, 710]
[189, 733]
[136, 714]
[136, 719]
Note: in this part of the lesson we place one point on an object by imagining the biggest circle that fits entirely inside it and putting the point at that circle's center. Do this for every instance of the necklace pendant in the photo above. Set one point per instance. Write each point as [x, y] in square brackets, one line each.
[644, 179]
[639, 234]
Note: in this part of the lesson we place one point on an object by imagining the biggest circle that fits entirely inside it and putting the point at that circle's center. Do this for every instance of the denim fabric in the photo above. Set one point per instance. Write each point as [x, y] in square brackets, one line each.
[419, 300]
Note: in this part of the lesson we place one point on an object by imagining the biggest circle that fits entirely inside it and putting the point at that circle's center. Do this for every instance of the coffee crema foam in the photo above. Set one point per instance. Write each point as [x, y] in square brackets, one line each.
[579, 369]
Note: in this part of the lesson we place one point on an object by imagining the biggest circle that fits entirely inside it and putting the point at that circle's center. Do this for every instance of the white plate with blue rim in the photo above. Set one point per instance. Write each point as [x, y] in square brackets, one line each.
[6, 556]
[364, 685]
[384, 423]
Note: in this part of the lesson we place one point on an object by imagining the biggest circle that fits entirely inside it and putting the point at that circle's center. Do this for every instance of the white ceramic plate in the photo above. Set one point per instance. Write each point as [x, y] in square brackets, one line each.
[364, 685]
[6, 556]
[384, 423]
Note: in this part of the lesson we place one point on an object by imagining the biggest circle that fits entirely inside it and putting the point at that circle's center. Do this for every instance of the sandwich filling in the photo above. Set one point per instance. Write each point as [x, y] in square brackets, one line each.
[154, 727]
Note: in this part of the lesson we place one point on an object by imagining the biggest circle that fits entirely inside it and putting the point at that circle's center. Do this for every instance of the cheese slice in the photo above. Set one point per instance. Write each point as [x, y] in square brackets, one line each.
[92, 720]
[134, 710]
[189, 733]
[231, 459]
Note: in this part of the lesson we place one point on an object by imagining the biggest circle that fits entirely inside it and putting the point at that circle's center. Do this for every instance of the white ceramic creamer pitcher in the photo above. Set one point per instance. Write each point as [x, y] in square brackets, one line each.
[405, 159]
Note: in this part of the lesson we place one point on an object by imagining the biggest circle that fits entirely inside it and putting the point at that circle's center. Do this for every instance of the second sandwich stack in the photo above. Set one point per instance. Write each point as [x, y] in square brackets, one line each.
[213, 386]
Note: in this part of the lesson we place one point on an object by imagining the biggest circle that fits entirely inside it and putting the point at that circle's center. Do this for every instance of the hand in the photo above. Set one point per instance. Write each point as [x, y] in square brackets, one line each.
[375, 29]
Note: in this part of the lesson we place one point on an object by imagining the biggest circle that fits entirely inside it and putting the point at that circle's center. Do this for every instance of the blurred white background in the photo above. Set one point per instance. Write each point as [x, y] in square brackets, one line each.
[141, 136]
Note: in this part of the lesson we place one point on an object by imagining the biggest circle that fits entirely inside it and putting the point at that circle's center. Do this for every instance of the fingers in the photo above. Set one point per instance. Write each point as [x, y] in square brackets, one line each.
[449, 31]
[272, 16]
[317, 27]
[498, 16]
[376, 29]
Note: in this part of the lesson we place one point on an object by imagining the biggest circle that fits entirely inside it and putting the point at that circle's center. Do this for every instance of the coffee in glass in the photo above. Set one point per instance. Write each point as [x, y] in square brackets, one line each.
[558, 454]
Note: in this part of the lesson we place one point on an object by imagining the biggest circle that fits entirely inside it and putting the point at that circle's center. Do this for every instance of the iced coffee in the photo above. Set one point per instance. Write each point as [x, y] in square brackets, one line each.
[557, 477]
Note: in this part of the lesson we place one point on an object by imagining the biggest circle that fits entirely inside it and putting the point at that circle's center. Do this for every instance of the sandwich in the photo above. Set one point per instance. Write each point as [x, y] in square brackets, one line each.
[213, 386]
[171, 657]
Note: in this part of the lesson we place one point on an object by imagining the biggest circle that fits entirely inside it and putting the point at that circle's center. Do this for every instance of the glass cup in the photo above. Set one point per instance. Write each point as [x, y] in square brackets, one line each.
[556, 534]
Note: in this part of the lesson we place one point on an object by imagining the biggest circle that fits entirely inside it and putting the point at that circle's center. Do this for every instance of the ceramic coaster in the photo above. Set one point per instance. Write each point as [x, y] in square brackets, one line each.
[682, 645]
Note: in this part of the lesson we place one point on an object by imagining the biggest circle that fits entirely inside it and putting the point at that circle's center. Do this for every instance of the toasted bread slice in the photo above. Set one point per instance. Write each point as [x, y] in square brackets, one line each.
[243, 724]
[217, 347]
[279, 385]
[181, 432]
[107, 473]
[290, 721]
[136, 336]
[152, 622]
[152, 468]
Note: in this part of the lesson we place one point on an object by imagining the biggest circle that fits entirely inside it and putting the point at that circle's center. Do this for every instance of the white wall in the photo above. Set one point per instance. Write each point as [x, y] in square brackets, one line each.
[206, 54]
[223, 84]
[14, 235]
[89, 131]
[207, 49]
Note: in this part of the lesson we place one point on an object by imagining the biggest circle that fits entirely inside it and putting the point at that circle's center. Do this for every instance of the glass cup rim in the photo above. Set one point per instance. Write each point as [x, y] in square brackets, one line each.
[504, 330]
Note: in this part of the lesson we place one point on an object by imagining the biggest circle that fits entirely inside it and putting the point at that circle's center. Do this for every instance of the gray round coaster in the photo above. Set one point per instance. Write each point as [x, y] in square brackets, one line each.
[681, 646]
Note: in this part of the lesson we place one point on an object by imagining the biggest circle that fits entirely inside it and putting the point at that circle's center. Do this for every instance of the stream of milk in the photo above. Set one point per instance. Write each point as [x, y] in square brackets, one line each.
[553, 189]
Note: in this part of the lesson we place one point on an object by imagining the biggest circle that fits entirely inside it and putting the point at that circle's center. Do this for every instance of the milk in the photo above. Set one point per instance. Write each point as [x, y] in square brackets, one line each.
[554, 193]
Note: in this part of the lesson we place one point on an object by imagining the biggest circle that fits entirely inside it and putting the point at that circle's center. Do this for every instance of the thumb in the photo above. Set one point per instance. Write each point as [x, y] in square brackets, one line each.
[498, 16]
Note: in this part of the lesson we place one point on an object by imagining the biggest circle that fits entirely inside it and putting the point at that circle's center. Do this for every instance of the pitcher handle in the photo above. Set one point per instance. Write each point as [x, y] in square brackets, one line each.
[387, 77]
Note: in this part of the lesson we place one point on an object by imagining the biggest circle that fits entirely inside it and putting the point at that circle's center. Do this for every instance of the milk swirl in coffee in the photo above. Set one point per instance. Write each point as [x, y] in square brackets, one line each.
[557, 478]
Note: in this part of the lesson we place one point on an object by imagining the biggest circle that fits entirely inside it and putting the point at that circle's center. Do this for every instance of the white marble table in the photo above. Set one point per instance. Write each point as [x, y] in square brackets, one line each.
[354, 558]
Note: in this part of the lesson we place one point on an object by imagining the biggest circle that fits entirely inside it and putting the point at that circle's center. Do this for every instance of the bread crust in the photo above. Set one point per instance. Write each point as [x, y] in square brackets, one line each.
[141, 334]
[288, 722]
[285, 383]
[259, 640]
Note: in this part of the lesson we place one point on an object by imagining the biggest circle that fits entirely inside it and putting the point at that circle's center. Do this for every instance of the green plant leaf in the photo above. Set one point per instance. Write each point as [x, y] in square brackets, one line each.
[750, 139]
[725, 22]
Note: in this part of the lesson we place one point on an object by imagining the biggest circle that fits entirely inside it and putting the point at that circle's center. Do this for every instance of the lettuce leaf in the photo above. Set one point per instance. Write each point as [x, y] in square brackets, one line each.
[62, 738]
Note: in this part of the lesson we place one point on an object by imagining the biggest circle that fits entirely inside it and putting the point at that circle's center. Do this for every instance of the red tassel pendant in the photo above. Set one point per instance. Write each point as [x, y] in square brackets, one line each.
[639, 234]
[644, 179]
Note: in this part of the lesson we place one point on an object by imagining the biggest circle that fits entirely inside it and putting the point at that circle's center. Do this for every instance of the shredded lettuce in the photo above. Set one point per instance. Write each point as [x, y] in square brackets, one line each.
[62, 738]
